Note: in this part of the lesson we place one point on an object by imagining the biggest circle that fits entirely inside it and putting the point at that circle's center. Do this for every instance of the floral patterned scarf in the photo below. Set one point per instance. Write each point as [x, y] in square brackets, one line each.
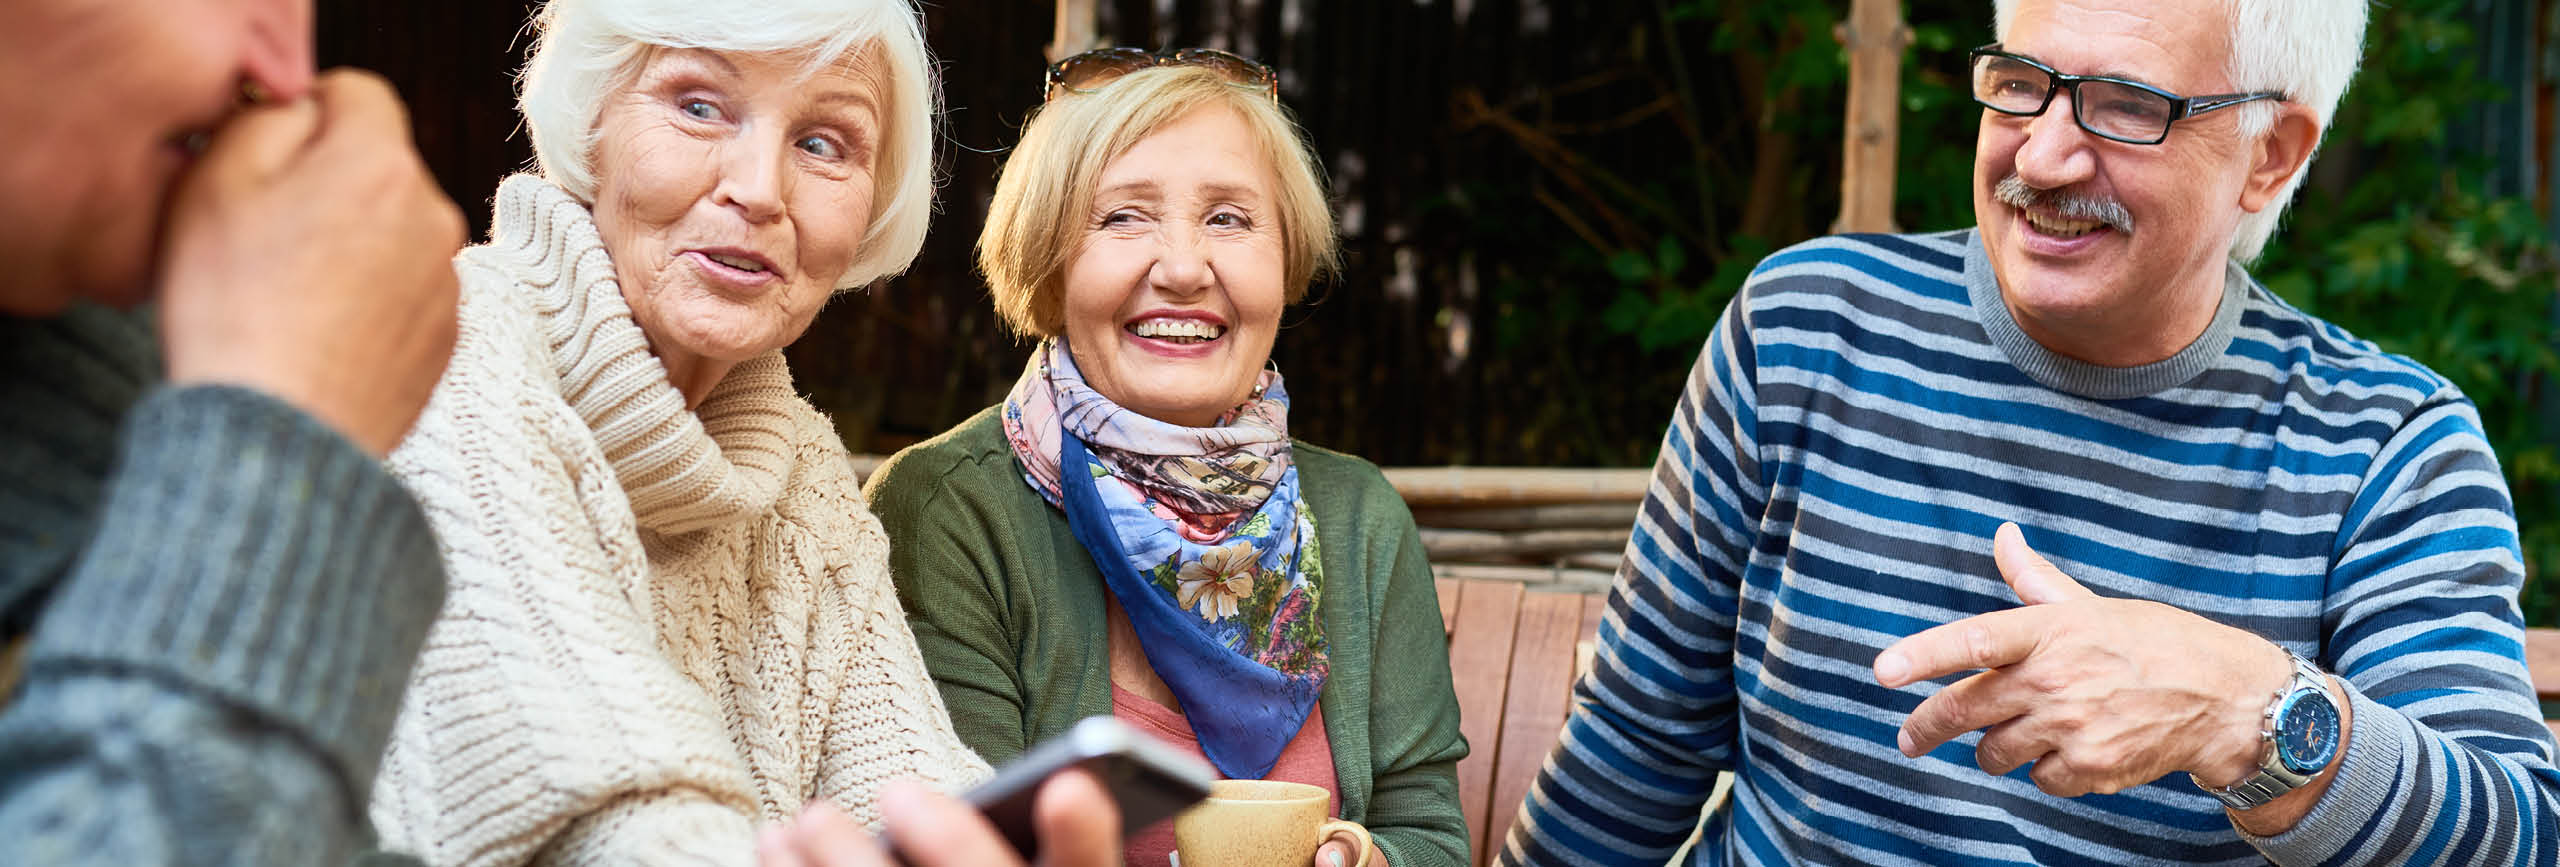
[1202, 537]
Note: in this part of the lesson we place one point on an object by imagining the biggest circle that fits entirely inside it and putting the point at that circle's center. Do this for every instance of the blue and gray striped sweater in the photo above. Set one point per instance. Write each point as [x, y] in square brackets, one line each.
[1867, 414]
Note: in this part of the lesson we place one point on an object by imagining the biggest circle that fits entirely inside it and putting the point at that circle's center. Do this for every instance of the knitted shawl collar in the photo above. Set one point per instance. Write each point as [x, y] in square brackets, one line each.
[682, 471]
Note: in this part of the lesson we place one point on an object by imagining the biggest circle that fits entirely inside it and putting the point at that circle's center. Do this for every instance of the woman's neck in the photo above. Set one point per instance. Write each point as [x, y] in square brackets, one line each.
[694, 376]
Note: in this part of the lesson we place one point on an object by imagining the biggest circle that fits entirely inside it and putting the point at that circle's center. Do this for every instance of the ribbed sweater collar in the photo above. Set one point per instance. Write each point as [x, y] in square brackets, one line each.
[682, 471]
[70, 380]
[2098, 382]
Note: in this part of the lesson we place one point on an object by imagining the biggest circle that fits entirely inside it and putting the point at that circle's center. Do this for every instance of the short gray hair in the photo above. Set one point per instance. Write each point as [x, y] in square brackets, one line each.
[590, 48]
[2306, 49]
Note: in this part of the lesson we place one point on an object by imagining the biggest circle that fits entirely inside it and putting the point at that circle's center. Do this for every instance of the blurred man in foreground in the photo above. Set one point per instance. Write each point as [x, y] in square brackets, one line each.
[210, 590]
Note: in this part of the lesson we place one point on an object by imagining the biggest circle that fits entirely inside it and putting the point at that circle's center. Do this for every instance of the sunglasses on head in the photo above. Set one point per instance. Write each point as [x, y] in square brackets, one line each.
[1090, 71]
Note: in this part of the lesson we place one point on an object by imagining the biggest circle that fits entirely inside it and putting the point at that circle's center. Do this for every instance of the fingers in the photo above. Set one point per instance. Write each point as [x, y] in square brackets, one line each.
[2013, 737]
[2035, 579]
[2009, 746]
[937, 830]
[1983, 700]
[256, 145]
[309, 257]
[2059, 776]
[829, 837]
[1078, 823]
[1334, 853]
[357, 106]
[1981, 641]
[822, 836]
[776, 847]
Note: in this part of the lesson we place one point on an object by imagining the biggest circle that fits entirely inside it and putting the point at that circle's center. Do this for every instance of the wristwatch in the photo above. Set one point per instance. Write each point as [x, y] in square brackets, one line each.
[2301, 739]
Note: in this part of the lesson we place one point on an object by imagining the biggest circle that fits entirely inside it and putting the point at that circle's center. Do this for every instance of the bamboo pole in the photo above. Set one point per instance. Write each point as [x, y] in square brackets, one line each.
[1605, 562]
[1566, 515]
[1487, 545]
[1543, 577]
[1875, 36]
[1516, 486]
[1074, 32]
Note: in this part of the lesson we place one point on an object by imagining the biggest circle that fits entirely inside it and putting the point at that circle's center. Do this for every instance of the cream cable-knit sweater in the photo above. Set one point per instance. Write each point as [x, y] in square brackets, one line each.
[665, 628]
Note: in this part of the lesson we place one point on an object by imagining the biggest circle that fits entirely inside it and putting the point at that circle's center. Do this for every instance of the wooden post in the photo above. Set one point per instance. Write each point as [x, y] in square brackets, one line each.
[1075, 29]
[1875, 36]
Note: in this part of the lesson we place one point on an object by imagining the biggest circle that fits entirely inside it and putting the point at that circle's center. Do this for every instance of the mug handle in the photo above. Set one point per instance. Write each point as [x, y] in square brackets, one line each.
[1327, 831]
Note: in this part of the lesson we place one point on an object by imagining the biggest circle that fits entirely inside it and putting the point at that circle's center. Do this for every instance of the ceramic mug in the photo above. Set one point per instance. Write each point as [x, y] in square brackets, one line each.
[1263, 823]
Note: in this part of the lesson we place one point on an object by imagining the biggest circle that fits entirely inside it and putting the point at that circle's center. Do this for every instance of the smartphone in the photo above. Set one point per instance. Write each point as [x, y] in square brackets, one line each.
[1150, 780]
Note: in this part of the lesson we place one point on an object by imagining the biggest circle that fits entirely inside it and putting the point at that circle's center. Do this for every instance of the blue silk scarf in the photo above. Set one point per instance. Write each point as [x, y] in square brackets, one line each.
[1233, 629]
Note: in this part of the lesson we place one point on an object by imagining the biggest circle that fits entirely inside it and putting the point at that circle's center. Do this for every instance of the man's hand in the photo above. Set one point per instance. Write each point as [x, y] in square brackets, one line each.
[309, 256]
[1077, 822]
[2100, 694]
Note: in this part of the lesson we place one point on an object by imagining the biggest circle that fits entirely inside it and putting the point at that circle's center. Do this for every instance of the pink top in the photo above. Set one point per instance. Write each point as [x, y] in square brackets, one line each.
[1307, 759]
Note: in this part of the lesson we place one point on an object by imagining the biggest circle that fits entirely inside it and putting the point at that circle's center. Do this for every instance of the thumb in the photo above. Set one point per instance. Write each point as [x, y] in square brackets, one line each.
[1077, 821]
[2036, 580]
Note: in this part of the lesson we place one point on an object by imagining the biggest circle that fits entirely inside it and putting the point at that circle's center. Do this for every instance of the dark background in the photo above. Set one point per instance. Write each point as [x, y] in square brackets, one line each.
[1465, 327]
[1545, 204]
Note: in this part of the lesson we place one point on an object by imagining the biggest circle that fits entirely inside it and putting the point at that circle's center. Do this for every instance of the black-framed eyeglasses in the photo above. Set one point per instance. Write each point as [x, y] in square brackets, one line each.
[2111, 108]
[1089, 71]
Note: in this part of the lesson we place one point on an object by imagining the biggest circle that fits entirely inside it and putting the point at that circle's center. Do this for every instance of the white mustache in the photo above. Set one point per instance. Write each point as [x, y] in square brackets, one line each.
[2070, 206]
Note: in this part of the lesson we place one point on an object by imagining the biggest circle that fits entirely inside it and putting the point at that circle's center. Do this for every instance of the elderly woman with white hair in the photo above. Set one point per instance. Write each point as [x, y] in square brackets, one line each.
[671, 621]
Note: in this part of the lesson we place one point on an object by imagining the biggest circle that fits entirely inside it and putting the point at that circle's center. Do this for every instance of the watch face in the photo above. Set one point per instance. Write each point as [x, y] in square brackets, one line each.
[2307, 731]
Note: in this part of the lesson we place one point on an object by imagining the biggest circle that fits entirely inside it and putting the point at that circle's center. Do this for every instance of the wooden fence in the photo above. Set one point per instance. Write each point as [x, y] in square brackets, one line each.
[1560, 529]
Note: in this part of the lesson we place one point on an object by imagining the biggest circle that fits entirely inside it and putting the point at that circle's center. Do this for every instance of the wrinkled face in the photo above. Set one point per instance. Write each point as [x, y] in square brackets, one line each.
[732, 191]
[1174, 296]
[99, 95]
[2182, 196]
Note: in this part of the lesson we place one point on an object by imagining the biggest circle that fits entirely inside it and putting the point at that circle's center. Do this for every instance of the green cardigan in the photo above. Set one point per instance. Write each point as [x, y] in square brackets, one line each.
[1009, 611]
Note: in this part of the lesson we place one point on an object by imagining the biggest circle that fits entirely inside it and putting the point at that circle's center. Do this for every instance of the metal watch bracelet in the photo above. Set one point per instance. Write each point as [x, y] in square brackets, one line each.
[2272, 779]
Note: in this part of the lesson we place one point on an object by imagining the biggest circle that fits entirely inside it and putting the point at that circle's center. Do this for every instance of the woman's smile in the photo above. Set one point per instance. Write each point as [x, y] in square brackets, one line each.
[1192, 334]
[732, 268]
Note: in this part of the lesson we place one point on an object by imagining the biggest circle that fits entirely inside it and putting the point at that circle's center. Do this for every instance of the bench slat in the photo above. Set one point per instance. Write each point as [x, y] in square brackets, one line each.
[1542, 662]
[2542, 659]
[1480, 667]
[1594, 607]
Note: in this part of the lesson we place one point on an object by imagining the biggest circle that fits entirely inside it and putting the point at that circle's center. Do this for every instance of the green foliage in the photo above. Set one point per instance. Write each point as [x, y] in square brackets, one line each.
[2391, 238]
[2394, 241]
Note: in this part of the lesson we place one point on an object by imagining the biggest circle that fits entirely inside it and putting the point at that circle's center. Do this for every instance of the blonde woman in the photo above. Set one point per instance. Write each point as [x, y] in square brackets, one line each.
[1132, 531]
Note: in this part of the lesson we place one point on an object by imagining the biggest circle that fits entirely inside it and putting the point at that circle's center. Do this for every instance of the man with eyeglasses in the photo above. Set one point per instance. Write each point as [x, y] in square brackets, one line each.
[2060, 539]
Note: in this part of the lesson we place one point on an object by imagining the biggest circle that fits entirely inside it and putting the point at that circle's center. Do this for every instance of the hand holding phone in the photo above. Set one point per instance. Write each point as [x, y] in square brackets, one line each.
[1075, 817]
[1147, 779]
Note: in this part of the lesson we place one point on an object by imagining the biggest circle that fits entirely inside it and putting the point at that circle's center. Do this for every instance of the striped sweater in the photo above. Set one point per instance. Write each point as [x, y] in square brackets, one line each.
[1864, 417]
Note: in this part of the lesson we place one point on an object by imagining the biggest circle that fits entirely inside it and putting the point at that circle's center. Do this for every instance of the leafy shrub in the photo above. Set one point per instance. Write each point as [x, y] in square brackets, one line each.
[2393, 237]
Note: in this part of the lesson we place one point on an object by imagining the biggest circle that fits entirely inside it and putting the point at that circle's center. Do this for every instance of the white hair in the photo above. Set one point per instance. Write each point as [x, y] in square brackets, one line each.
[2305, 49]
[591, 48]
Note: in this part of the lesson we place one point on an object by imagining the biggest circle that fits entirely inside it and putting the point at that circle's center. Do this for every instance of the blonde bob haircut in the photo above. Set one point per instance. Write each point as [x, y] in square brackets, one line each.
[590, 49]
[1036, 223]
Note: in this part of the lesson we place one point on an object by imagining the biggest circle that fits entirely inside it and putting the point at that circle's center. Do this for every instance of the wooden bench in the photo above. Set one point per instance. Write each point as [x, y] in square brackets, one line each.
[2542, 660]
[1513, 654]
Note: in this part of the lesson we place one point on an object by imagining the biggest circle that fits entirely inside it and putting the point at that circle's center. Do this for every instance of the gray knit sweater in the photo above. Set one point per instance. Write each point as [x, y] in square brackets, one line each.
[220, 599]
